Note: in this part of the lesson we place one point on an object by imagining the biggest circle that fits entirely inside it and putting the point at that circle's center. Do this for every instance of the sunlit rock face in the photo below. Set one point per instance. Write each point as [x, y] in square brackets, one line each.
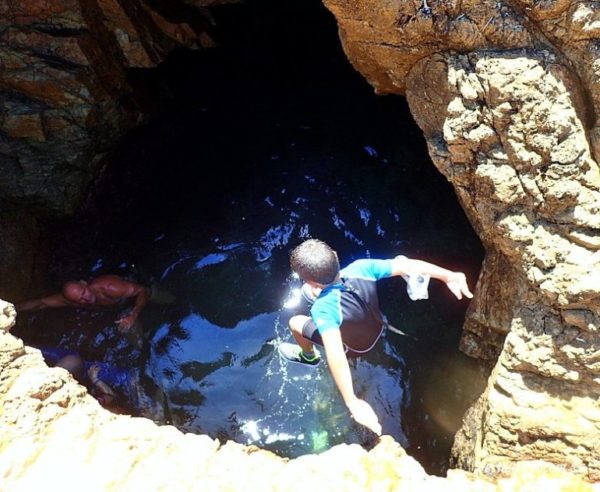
[507, 95]
[66, 96]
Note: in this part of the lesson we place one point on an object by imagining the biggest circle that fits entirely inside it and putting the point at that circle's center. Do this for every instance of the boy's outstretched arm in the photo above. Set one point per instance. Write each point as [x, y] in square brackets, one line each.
[455, 281]
[360, 410]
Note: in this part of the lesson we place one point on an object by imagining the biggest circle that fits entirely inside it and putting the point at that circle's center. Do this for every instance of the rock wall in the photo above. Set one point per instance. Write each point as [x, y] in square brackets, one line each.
[57, 437]
[65, 93]
[21, 257]
[66, 97]
[507, 96]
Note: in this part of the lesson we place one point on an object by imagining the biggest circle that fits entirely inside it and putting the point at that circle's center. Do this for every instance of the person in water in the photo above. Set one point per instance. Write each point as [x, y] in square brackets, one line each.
[102, 291]
[115, 388]
[344, 317]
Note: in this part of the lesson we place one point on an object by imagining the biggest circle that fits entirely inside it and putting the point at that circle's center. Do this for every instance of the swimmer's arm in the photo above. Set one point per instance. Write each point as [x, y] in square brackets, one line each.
[93, 373]
[104, 388]
[142, 296]
[53, 301]
[340, 371]
[455, 281]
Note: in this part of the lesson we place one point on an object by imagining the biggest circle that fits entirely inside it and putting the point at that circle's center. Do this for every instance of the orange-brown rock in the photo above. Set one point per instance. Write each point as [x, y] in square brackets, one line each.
[63, 74]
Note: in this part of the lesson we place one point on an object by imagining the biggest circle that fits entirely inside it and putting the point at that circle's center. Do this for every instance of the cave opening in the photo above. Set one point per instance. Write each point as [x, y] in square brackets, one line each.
[264, 140]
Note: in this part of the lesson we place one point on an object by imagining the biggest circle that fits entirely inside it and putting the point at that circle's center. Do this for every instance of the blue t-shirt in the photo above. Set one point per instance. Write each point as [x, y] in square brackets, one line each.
[337, 308]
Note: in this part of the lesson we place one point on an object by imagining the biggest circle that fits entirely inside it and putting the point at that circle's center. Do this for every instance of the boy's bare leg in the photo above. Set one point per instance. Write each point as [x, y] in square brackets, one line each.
[296, 324]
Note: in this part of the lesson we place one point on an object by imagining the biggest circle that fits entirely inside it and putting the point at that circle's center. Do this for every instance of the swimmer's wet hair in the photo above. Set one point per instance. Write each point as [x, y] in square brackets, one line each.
[314, 260]
[72, 290]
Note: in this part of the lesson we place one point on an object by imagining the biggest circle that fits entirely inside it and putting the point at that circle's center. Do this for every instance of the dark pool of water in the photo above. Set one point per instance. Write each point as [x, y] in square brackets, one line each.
[208, 199]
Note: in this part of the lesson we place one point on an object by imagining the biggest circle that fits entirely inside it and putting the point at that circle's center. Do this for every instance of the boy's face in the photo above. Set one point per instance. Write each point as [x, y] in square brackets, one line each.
[315, 287]
[313, 284]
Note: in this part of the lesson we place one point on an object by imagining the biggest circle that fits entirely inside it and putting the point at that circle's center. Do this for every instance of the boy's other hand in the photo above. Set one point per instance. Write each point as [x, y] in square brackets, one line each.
[457, 283]
[362, 412]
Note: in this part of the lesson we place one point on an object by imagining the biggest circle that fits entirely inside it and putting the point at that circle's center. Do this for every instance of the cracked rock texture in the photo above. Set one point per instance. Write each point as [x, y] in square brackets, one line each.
[507, 95]
[65, 93]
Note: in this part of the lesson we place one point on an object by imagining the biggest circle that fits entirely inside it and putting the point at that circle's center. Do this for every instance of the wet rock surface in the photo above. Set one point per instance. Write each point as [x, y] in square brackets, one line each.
[20, 249]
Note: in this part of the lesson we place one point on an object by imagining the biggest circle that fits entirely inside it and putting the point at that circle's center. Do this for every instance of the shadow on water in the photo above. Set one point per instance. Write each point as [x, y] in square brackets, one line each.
[258, 144]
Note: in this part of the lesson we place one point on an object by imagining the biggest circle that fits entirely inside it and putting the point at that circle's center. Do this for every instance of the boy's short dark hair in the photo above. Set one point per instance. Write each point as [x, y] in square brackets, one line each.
[314, 260]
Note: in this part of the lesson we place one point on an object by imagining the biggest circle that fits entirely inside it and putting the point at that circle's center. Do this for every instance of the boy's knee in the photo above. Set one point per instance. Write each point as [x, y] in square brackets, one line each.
[296, 323]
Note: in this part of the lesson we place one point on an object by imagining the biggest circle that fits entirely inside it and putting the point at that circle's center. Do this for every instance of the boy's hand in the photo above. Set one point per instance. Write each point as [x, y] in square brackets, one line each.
[362, 412]
[457, 283]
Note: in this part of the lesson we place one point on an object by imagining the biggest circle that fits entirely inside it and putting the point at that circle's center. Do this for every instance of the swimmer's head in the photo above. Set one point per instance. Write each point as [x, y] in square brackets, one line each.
[79, 292]
[73, 364]
[315, 261]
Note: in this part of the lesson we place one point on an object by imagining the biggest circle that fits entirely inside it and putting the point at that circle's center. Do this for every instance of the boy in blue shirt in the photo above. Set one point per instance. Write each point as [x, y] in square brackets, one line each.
[345, 318]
